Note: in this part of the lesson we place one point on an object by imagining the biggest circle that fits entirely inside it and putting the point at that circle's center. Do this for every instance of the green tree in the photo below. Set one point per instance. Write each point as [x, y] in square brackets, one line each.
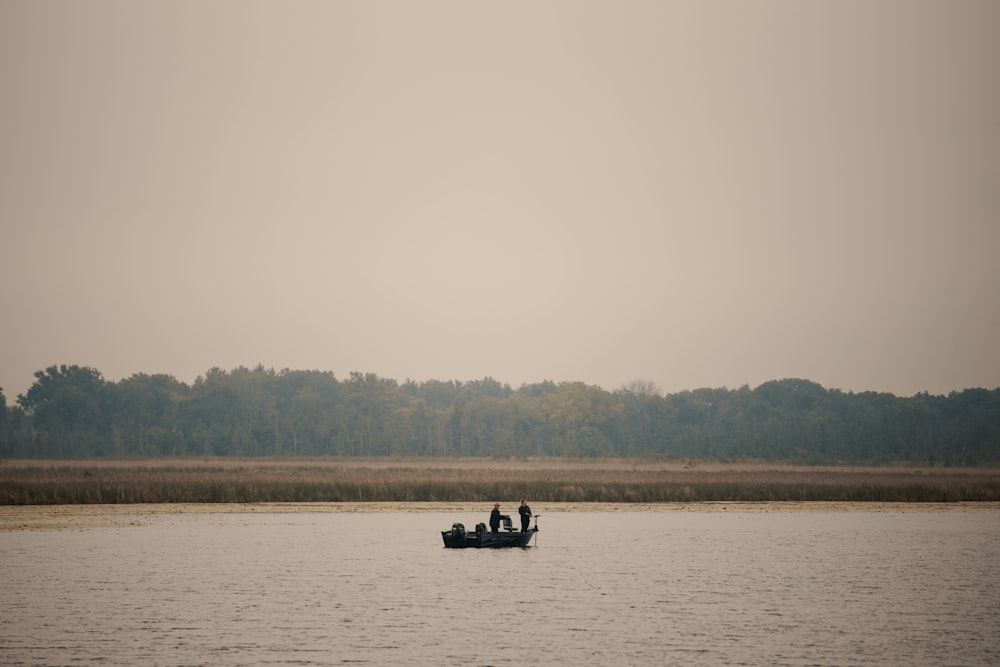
[6, 444]
[369, 400]
[66, 405]
[211, 416]
[144, 412]
[579, 417]
[305, 404]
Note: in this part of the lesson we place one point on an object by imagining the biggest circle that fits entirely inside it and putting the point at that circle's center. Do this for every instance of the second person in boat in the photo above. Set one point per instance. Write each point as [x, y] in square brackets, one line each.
[525, 513]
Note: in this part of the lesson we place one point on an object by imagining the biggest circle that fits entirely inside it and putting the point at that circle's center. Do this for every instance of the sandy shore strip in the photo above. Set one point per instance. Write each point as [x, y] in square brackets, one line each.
[63, 517]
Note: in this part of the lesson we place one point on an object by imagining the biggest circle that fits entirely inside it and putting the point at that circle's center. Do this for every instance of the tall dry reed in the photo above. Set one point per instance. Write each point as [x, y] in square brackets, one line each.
[325, 480]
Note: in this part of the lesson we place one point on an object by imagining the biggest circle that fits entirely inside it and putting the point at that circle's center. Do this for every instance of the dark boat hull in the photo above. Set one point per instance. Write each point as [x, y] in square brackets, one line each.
[459, 539]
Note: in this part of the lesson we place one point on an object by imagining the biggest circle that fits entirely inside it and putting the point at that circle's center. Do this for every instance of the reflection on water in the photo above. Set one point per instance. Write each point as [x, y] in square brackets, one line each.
[599, 588]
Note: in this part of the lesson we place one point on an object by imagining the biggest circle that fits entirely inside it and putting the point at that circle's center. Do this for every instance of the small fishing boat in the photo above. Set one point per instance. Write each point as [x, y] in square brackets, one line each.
[460, 538]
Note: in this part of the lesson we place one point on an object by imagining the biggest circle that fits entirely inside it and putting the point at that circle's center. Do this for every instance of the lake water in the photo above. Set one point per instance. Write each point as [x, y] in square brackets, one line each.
[598, 588]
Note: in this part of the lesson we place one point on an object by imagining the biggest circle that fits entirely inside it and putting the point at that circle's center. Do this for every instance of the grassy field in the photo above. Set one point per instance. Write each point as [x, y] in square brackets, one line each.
[210, 480]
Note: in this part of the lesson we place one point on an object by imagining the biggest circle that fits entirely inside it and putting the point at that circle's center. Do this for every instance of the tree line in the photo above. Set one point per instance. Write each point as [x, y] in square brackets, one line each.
[71, 411]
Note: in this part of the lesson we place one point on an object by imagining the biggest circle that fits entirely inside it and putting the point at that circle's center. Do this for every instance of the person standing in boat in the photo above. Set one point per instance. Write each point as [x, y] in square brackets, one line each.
[495, 518]
[525, 513]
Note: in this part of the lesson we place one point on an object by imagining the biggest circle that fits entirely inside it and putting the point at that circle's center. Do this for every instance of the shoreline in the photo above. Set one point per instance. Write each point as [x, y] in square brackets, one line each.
[14, 518]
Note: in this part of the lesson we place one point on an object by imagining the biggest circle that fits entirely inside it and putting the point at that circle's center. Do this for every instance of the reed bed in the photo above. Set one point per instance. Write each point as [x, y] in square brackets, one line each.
[326, 480]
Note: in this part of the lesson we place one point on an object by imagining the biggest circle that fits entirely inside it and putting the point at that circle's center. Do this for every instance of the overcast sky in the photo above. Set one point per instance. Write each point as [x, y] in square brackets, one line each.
[696, 194]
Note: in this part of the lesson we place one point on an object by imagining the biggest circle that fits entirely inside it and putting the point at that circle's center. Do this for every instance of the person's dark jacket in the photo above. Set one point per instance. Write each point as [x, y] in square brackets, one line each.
[495, 517]
[525, 513]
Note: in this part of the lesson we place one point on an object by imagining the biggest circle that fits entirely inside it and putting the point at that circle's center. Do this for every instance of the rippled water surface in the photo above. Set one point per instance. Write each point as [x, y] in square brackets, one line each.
[599, 588]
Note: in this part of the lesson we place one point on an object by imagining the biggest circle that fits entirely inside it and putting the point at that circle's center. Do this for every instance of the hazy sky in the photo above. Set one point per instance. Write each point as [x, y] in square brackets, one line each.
[697, 194]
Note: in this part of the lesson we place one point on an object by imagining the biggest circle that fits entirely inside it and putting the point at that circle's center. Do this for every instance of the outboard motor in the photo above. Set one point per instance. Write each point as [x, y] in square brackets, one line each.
[458, 530]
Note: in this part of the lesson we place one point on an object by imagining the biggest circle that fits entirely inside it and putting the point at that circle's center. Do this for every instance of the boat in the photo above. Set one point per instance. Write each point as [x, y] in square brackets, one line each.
[460, 538]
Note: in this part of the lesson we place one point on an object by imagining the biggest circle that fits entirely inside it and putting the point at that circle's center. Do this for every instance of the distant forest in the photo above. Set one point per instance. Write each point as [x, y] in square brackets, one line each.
[72, 412]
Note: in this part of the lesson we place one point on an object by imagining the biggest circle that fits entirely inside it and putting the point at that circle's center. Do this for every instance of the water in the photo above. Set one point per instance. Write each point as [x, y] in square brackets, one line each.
[600, 588]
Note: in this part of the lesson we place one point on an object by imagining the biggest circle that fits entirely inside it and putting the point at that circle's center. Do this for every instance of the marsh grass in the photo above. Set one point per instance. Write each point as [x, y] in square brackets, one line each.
[472, 480]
